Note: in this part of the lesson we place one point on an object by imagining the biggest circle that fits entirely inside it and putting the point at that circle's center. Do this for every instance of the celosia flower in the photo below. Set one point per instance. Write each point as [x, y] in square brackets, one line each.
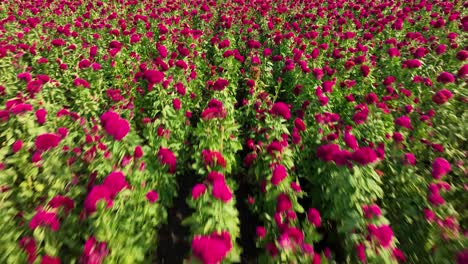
[440, 167]
[114, 125]
[41, 116]
[383, 233]
[114, 183]
[43, 218]
[404, 121]
[281, 109]
[212, 158]
[279, 174]
[198, 190]
[221, 190]
[350, 141]
[442, 96]
[62, 201]
[47, 141]
[17, 146]
[260, 231]
[212, 248]
[138, 152]
[446, 77]
[361, 253]
[99, 192]
[166, 157]
[94, 252]
[364, 156]
[283, 203]
[28, 244]
[313, 216]
[152, 196]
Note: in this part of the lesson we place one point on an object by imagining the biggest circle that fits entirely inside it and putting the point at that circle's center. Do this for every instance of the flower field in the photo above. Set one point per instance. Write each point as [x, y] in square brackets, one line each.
[264, 131]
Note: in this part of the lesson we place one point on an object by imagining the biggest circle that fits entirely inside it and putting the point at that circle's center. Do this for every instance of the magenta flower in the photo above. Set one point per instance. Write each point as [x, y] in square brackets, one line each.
[409, 159]
[283, 203]
[260, 231]
[114, 183]
[198, 190]
[62, 201]
[43, 218]
[442, 96]
[47, 141]
[17, 146]
[361, 253]
[350, 141]
[94, 252]
[221, 190]
[279, 174]
[446, 77]
[212, 158]
[114, 125]
[211, 249]
[166, 157]
[383, 233]
[28, 244]
[41, 116]
[281, 109]
[440, 167]
[152, 196]
[138, 152]
[404, 121]
[364, 156]
[99, 192]
[313, 216]
[153, 76]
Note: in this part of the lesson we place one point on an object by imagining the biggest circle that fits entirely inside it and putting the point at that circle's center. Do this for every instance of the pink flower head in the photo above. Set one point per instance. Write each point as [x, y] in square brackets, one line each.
[350, 141]
[371, 211]
[442, 96]
[153, 76]
[99, 192]
[28, 244]
[279, 174]
[47, 141]
[17, 146]
[41, 116]
[114, 183]
[211, 249]
[440, 167]
[364, 156]
[404, 121]
[221, 190]
[281, 109]
[44, 218]
[152, 196]
[409, 159]
[213, 158]
[62, 201]
[94, 252]
[445, 77]
[283, 203]
[114, 125]
[166, 157]
[383, 233]
[220, 84]
[138, 152]
[361, 253]
[214, 110]
[198, 190]
[326, 152]
[313, 216]
[20, 108]
[261, 231]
